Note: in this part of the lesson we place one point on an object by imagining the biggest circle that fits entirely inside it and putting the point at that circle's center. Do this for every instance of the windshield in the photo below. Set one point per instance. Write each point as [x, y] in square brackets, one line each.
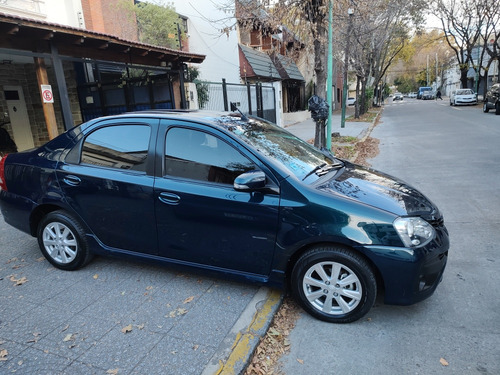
[298, 156]
[464, 92]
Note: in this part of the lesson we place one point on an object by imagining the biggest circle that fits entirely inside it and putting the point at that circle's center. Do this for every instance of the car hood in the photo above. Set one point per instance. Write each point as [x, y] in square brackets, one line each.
[379, 190]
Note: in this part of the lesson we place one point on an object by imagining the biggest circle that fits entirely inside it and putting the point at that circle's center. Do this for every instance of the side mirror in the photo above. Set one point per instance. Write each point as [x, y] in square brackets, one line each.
[253, 180]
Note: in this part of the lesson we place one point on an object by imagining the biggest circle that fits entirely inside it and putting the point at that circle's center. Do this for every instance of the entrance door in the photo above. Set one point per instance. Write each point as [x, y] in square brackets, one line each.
[18, 116]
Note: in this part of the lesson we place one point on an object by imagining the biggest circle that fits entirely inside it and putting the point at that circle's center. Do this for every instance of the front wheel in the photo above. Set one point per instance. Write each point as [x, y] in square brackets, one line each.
[485, 107]
[62, 241]
[334, 284]
[497, 108]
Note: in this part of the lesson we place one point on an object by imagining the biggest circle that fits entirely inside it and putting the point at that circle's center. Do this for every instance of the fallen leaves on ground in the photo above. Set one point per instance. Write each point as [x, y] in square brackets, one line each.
[3, 354]
[444, 362]
[112, 372]
[127, 329]
[275, 343]
[178, 312]
[69, 337]
[189, 299]
[18, 282]
[366, 150]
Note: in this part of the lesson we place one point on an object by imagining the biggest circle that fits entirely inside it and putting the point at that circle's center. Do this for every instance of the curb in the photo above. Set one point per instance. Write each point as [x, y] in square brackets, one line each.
[245, 335]
[366, 134]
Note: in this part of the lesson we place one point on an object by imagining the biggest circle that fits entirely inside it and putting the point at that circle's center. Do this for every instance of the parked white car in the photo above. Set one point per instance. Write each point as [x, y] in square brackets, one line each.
[412, 95]
[463, 96]
[351, 101]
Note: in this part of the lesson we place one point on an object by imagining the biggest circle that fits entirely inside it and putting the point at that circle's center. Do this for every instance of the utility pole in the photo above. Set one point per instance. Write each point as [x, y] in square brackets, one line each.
[437, 73]
[427, 71]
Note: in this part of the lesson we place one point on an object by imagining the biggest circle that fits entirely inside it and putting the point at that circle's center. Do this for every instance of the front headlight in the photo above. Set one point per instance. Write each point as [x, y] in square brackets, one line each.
[414, 231]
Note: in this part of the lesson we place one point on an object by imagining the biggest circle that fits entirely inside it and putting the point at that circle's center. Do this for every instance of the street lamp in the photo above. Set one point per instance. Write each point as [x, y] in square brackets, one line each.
[350, 12]
[329, 78]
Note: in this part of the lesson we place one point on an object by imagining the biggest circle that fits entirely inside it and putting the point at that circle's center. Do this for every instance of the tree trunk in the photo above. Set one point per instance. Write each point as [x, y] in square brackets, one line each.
[356, 105]
[319, 69]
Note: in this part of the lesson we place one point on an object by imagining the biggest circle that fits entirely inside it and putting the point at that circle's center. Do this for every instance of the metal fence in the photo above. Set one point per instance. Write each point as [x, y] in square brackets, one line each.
[256, 99]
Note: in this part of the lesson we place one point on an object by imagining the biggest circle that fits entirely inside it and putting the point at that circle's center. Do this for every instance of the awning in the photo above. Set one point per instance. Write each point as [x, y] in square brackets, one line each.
[255, 64]
[19, 33]
[287, 68]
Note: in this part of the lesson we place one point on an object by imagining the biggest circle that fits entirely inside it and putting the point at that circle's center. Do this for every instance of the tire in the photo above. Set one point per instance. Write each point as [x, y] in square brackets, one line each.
[319, 285]
[497, 108]
[62, 241]
[451, 103]
[485, 107]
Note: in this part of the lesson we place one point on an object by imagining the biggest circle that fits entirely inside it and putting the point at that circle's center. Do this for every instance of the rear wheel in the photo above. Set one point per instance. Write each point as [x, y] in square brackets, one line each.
[334, 284]
[497, 108]
[62, 241]
[485, 107]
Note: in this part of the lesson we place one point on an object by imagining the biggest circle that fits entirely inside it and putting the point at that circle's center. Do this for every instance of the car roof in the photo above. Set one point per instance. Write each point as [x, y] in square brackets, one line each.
[204, 116]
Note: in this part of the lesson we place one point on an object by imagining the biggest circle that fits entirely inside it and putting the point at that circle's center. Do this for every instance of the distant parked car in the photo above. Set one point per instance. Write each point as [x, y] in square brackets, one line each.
[463, 96]
[492, 99]
[422, 90]
[428, 95]
[397, 96]
[351, 101]
[224, 193]
[412, 95]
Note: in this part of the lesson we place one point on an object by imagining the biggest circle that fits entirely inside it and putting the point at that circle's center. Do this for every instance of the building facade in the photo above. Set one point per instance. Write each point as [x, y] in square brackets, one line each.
[55, 75]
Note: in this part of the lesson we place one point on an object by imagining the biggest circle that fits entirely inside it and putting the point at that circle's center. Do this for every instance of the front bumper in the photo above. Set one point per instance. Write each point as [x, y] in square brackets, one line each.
[465, 101]
[411, 275]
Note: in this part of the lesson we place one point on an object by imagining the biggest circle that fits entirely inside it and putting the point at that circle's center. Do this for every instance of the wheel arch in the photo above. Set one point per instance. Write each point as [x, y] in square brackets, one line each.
[301, 251]
[43, 210]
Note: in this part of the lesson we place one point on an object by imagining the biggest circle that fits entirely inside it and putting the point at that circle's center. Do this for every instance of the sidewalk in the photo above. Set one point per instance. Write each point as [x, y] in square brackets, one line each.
[306, 129]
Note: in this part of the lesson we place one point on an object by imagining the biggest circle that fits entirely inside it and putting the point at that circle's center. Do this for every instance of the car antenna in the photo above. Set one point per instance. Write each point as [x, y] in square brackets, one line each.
[235, 108]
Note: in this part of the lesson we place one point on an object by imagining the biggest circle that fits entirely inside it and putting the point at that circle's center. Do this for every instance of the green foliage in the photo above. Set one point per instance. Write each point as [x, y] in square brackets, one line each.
[202, 88]
[157, 25]
[203, 93]
[407, 84]
[370, 92]
[193, 73]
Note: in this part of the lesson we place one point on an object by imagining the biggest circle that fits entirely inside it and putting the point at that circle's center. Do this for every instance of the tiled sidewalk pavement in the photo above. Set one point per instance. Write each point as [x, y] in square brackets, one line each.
[114, 316]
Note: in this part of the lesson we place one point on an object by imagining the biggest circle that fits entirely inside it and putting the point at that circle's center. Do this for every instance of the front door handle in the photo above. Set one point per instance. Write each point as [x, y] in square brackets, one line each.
[169, 198]
[72, 180]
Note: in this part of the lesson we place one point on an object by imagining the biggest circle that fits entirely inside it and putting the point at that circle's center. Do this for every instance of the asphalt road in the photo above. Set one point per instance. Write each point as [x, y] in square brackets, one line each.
[452, 154]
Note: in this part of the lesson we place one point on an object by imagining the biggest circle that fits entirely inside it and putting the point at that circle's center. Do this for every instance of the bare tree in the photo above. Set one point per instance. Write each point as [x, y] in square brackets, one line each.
[463, 22]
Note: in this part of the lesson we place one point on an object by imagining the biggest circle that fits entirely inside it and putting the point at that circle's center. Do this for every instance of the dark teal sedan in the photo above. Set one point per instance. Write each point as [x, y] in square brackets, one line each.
[229, 195]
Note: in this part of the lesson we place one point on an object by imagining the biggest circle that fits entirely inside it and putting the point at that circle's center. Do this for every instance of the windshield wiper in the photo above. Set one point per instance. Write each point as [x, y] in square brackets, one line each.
[322, 169]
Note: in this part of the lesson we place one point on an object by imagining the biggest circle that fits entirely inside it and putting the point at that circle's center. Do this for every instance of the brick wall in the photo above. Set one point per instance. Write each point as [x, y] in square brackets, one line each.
[110, 17]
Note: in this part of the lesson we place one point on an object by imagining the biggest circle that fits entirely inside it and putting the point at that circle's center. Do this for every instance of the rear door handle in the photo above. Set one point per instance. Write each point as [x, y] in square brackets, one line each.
[72, 180]
[169, 198]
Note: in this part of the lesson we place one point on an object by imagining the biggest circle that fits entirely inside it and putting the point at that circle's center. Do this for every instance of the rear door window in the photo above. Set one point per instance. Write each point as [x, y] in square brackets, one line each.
[119, 146]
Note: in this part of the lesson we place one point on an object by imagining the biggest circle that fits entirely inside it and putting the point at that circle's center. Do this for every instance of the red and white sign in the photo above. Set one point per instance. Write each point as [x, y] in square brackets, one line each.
[47, 95]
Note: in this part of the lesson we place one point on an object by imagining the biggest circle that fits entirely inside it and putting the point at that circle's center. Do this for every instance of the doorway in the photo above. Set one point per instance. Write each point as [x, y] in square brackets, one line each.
[18, 116]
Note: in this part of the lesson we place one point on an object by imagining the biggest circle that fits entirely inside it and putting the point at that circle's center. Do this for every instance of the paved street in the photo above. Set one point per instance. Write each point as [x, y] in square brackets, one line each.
[452, 154]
